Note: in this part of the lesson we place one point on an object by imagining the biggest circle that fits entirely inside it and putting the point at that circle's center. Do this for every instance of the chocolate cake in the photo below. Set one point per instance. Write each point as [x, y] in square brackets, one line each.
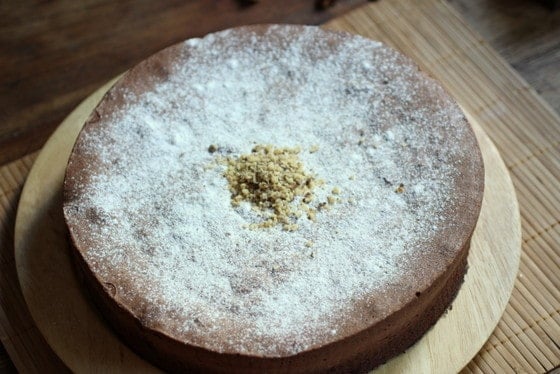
[273, 199]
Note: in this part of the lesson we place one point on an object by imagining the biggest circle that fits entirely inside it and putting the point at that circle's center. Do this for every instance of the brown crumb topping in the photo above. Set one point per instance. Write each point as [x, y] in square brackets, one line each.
[275, 182]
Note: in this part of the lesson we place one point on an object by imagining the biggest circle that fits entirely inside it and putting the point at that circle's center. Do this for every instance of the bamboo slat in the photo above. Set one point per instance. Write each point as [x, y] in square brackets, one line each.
[523, 127]
[20, 337]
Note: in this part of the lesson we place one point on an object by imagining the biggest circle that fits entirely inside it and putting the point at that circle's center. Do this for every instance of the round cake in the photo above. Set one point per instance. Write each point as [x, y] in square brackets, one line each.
[273, 198]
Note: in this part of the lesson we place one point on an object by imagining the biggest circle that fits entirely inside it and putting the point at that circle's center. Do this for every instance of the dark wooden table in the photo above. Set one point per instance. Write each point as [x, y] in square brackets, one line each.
[53, 54]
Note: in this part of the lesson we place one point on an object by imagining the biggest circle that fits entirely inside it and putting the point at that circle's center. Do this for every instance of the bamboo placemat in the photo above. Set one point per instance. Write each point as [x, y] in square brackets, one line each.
[524, 128]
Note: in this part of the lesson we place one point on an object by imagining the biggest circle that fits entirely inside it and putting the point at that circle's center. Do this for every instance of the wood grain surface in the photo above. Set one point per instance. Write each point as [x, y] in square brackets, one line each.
[521, 124]
[86, 344]
[526, 34]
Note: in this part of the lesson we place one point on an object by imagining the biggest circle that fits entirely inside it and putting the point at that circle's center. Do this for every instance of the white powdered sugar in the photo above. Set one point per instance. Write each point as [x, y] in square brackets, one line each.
[160, 223]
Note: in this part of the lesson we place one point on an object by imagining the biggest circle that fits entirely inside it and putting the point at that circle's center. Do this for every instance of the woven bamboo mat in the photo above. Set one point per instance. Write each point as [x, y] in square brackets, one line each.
[523, 127]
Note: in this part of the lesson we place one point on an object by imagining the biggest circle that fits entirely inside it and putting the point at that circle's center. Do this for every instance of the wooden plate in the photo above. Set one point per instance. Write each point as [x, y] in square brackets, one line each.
[85, 343]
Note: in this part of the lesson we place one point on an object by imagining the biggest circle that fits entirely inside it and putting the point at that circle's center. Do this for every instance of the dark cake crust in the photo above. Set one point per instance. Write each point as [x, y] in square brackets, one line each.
[358, 353]
[358, 350]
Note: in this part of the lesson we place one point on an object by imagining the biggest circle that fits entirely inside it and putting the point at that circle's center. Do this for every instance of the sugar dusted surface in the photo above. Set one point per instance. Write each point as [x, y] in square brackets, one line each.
[157, 207]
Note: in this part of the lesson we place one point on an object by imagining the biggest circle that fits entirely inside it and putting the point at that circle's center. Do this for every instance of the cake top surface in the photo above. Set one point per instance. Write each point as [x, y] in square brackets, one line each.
[151, 208]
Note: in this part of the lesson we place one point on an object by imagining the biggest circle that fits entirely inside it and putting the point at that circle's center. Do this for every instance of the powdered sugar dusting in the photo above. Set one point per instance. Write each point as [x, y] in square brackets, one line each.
[160, 211]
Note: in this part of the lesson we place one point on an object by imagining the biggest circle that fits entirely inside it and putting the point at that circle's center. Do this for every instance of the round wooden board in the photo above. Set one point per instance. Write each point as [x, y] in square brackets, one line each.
[85, 343]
